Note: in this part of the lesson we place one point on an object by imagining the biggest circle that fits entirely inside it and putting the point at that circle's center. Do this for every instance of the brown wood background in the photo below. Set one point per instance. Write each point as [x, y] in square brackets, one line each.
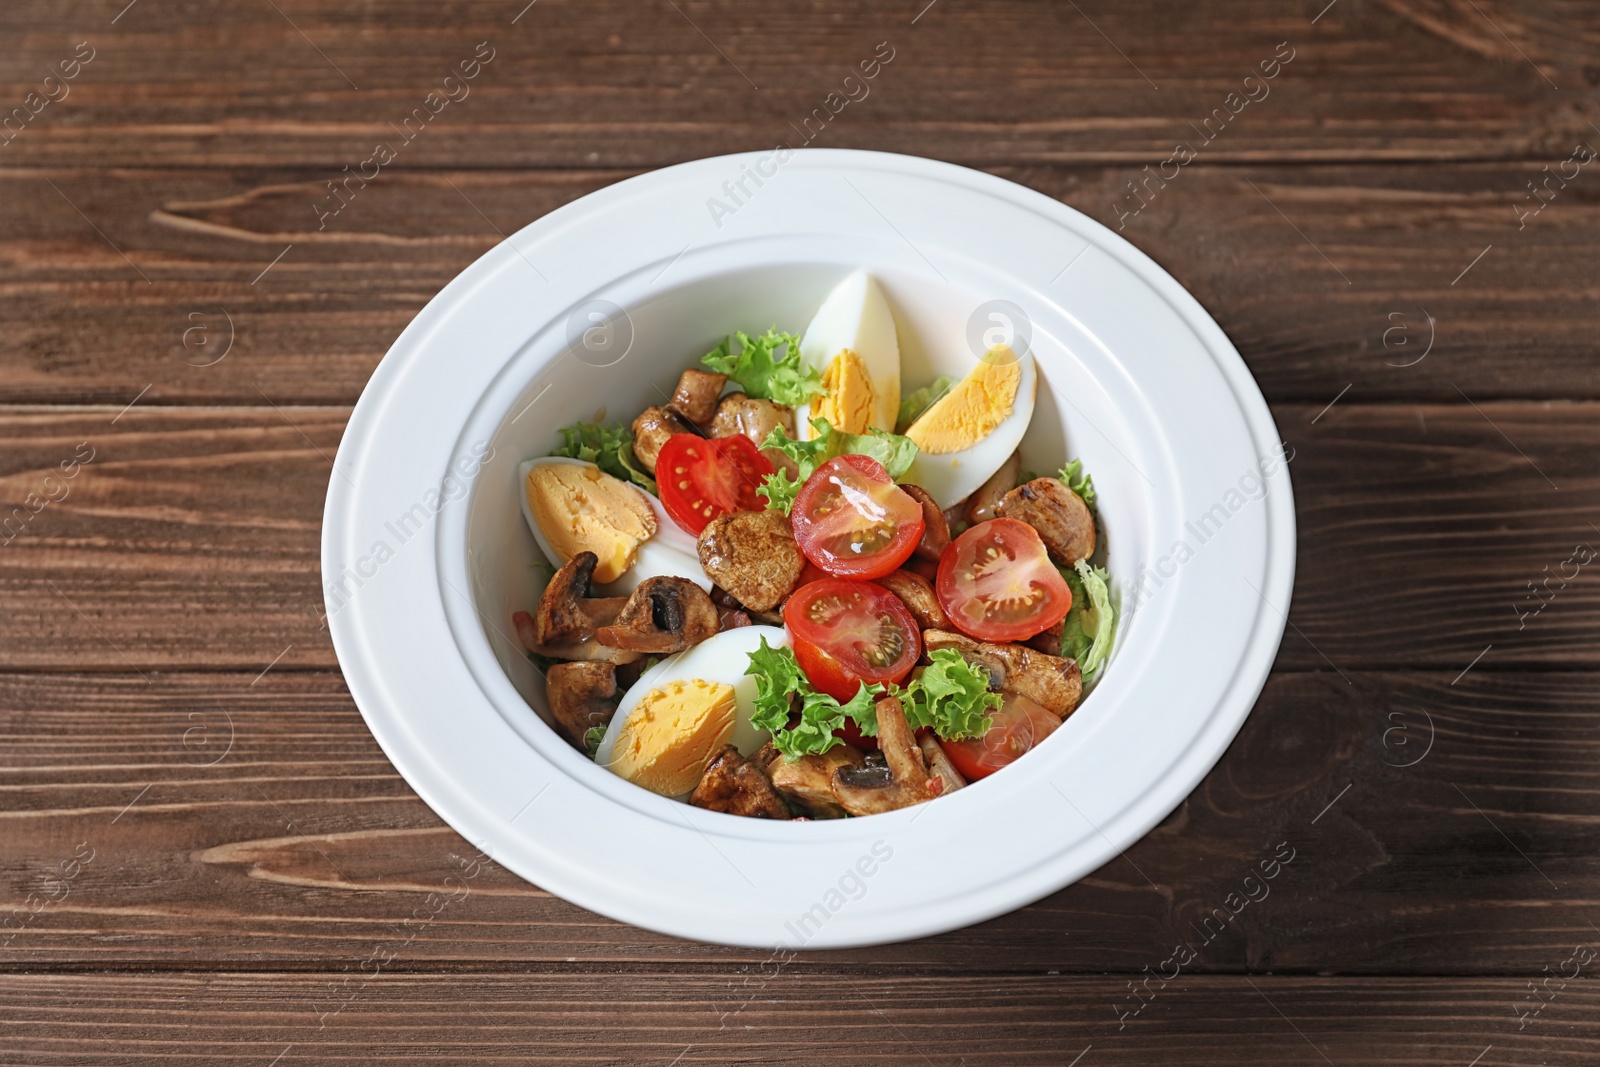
[171, 709]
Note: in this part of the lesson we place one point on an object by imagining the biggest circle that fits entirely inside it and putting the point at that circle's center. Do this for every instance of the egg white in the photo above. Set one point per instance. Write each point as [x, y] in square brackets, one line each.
[672, 552]
[721, 658]
[856, 316]
[954, 476]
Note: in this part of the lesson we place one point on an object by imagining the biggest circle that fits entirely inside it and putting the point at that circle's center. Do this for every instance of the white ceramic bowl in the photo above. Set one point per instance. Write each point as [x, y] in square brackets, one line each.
[426, 556]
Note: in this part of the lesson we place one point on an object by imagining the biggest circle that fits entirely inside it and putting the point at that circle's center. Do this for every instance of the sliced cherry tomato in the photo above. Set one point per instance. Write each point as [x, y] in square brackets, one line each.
[810, 573]
[700, 478]
[846, 633]
[1019, 725]
[996, 582]
[851, 520]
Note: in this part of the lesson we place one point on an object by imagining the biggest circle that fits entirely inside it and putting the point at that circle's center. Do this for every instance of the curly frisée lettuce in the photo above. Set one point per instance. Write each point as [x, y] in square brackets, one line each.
[777, 675]
[1091, 624]
[891, 449]
[1080, 483]
[913, 404]
[760, 373]
[950, 695]
[608, 447]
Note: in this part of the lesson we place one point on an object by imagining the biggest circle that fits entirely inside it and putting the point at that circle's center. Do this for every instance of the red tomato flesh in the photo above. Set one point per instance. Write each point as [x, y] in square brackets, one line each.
[1019, 725]
[851, 520]
[996, 582]
[846, 633]
[700, 478]
[851, 734]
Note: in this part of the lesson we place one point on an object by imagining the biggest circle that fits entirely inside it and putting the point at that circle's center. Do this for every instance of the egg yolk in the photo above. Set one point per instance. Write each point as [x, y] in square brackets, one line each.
[973, 407]
[672, 733]
[583, 509]
[848, 399]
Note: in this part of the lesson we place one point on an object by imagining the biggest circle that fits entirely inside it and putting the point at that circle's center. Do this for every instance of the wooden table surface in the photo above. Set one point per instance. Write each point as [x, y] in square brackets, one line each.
[202, 849]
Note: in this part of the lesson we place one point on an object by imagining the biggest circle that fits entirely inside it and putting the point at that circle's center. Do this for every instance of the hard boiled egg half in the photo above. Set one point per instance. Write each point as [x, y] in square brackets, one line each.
[573, 506]
[682, 711]
[965, 435]
[851, 340]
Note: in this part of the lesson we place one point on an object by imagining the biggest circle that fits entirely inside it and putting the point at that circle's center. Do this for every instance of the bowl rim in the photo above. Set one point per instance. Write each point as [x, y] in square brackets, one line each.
[353, 639]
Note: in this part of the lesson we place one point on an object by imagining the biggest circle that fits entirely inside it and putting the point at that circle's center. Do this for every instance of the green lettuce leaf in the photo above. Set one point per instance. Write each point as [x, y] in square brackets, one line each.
[1091, 624]
[1081, 484]
[608, 447]
[780, 490]
[950, 695]
[895, 452]
[777, 675]
[760, 373]
[820, 716]
[592, 738]
[913, 404]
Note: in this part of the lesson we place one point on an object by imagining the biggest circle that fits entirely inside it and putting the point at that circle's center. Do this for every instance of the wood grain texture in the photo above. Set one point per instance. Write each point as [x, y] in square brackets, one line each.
[207, 858]
[187, 540]
[1373, 291]
[640, 85]
[191, 538]
[255, 823]
[773, 1016]
[1428, 533]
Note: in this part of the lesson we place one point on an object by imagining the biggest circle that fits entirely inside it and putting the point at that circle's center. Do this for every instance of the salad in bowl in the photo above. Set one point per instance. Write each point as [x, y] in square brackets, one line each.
[794, 590]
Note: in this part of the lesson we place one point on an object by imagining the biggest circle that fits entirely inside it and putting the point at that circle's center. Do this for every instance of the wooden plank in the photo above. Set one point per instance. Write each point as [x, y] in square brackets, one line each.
[774, 1016]
[229, 293]
[190, 540]
[621, 84]
[184, 538]
[232, 821]
[1429, 534]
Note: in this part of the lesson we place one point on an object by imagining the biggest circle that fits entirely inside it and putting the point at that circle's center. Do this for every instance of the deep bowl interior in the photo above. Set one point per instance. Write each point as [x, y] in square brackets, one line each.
[669, 328]
[1135, 379]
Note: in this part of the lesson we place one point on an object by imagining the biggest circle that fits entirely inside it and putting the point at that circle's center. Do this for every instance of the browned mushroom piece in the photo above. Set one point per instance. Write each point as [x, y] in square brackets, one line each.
[940, 769]
[784, 462]
[752, 555]
[734, 785]
[900, 781]
[652, 429]
[756, 418]
[1047, 641]
[935, 528]
[917, 594]
[751, 416]
[568, 618]
[582, 696]
[982, 504]
[766, 756]
[1053, 682]
[662, 615]
[1063, 520]
[695, 398]
[807, 782]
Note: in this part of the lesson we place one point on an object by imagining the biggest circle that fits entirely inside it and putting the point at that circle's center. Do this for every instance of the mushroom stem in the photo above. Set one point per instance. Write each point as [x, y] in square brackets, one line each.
[899, 782]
